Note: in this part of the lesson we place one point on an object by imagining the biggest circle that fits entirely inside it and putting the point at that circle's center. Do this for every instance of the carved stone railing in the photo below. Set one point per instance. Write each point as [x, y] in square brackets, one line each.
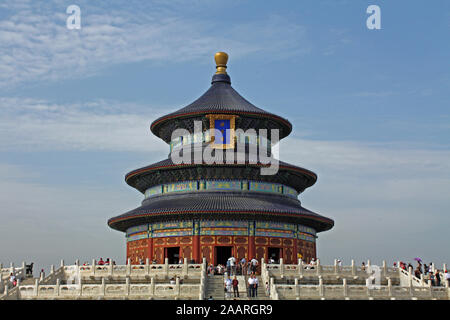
[203, 278]
[103, 290]
[302, 270]
[344, 291]
[6, 288]
[148, 270]
[410, 286]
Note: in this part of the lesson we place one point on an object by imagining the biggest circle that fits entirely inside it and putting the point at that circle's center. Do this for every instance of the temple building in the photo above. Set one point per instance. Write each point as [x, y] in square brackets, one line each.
[217, 210]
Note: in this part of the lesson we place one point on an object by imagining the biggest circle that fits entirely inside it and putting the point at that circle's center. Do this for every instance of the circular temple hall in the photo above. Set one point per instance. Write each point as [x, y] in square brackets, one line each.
[200, 209]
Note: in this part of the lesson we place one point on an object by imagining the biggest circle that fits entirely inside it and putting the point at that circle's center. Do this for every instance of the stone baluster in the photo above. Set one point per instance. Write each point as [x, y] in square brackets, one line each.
[410, 273]
[103, 288]
[368, 263]
[166, 267]
[430, 288]
[433, 268]
[410, 285]
[300, 268]
[321, 291]
[335, 266]
[62, 263]
[185, 267]
[177, 286]
[384, 268]
[353, 268]
[23, 266]
[12, 269]
[318, 267]
[52, 269]
[36, 287]
[297, 288]
[147, 266]
[281, 268]
[128, 267]
[272, 287]
[6, 290]
[127, 286]
[152, 286]
[93, 267]
[389, 287]
[422, 280]
[111, 268]
[345, 287]
[1, 267]
[58, 284]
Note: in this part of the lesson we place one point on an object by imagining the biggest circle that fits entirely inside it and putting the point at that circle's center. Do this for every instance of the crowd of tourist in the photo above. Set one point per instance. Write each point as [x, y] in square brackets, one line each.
[234, 267]
[429, 272]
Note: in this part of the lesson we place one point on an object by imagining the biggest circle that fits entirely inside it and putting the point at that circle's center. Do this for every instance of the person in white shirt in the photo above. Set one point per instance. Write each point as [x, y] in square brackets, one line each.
[312, 263]
[254, 264]
[12, 278]
[251, 284]
[243, 265]
[447, 277]
[228, 285]
[232, 265]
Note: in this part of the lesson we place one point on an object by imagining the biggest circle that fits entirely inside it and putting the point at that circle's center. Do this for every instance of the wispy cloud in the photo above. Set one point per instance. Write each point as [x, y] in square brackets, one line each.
[35, 43]
[37, 125]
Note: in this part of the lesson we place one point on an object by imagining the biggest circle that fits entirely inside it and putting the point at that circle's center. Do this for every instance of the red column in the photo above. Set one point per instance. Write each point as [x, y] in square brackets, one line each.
[251, 247]
[251, 240]
[196, 249]
[295, 252]
[150, 249]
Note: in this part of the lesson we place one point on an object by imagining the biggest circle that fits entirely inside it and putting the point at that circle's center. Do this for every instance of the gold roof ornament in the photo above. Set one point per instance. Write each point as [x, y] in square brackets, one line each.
[221, 62]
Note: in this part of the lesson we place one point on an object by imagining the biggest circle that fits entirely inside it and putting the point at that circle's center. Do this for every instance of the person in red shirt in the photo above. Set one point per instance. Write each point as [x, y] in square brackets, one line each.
[235, 284]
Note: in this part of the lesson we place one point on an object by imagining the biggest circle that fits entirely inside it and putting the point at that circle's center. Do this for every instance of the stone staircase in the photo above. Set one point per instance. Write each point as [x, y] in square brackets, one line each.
[261, 291]
[215, 287]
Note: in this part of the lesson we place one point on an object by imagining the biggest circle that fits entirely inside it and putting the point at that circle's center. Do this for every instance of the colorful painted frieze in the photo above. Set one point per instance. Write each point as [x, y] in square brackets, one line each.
[265, 187]
[223, 223]
[172, 225]
[153, 191]
[223, 185]
[137, 229]
[182, 186]
[223, 232]
[275, 225]
[290, 192]
[275, 233]
[306, 230]
[172, 233]
[137, 236]
[306, 237]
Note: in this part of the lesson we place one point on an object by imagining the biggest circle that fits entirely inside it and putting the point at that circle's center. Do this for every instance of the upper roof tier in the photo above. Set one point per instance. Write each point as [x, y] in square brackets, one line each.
[220, 98]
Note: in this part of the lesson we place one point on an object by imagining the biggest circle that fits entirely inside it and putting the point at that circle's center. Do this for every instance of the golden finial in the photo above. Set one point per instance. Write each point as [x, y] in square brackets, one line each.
[221, 62]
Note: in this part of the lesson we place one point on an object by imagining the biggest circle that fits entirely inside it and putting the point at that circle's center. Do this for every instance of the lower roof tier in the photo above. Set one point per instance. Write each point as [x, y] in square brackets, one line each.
[215, 205]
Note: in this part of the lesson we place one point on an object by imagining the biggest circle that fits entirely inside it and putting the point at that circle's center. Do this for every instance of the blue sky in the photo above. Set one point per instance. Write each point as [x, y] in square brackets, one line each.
[370, 110]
